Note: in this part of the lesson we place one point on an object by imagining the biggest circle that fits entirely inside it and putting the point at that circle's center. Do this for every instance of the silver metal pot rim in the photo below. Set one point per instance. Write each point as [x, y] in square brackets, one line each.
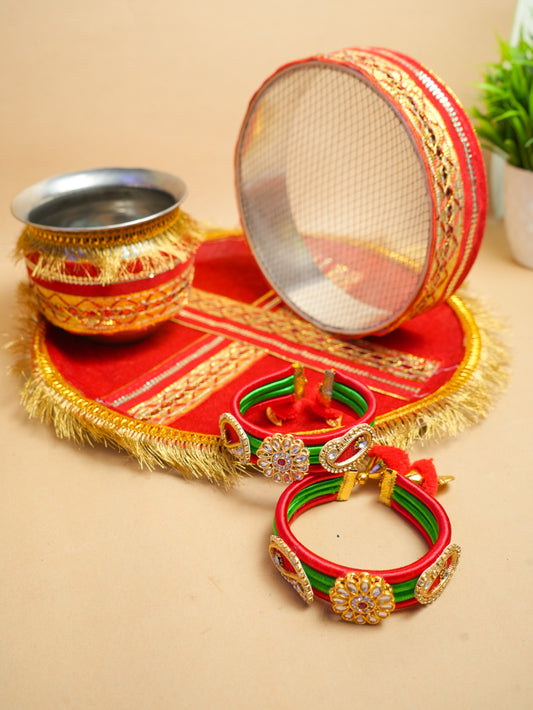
[169, 191]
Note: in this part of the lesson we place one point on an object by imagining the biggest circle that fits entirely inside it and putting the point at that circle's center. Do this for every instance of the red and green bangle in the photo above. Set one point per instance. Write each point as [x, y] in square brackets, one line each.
[284, 456]
[365, 596]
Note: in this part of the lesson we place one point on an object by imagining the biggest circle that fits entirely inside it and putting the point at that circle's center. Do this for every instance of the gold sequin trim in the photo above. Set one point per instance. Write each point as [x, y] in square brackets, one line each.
[148, 381]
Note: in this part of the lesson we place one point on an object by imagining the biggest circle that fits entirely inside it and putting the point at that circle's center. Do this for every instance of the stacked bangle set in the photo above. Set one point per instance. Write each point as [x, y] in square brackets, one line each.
[365, 596]
[319, 469]
[285, 457]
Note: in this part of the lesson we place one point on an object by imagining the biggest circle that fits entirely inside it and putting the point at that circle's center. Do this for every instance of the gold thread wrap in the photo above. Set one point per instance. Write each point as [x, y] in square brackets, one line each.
[387, 484]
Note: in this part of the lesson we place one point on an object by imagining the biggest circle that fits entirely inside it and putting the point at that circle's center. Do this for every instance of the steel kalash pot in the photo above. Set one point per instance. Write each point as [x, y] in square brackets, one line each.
[109, 252]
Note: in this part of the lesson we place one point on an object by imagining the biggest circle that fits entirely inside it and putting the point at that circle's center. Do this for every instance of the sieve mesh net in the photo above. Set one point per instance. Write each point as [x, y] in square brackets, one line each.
[334, 198]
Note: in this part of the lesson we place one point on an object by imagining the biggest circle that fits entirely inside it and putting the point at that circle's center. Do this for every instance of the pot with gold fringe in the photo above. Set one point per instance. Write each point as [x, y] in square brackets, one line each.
[361, 189]
[109, 252]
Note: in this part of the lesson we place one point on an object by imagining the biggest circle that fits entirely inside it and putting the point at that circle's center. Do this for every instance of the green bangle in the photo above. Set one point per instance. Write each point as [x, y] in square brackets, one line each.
[287, 457]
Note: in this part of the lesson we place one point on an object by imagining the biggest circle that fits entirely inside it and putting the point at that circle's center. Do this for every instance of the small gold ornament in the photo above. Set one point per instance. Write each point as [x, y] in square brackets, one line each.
[434, 580]
[362, 438]
[239, 447]
[362, 598]
[290, 568]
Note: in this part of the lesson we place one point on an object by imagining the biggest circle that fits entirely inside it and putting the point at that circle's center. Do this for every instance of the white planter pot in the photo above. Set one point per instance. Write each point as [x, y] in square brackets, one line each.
[518, 206]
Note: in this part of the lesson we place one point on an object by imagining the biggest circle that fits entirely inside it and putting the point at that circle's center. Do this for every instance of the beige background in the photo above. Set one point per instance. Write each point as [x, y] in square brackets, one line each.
[121, 589]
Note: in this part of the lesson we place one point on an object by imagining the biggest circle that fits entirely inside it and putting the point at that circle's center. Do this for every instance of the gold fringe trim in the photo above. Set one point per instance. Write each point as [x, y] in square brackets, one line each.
[49, 398]
[26, 317]
[469, 394]
[153, 249]
[462, 402]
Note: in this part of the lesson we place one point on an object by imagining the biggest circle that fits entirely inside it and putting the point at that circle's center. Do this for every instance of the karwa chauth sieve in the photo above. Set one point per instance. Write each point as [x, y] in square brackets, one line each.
[361, 189]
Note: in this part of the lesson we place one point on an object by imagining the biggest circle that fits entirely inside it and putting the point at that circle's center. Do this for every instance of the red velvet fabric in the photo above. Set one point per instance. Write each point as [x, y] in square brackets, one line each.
[121, 376]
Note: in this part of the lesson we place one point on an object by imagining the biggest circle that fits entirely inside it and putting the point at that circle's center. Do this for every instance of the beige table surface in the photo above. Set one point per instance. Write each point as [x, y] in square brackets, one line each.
[122, 589]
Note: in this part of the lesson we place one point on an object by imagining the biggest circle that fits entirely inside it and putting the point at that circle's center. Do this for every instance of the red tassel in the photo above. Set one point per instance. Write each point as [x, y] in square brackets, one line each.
[393, 457]
[426, 468]
[332, 416]
[284, 412]
[422, 471]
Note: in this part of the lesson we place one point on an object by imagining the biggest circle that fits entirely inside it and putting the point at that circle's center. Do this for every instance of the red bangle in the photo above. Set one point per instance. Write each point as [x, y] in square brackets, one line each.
[365, 596]
[282, 455]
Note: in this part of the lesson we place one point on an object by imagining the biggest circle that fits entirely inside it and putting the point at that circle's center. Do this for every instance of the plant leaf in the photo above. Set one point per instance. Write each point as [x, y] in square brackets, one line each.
[507, 114]
[504, 124]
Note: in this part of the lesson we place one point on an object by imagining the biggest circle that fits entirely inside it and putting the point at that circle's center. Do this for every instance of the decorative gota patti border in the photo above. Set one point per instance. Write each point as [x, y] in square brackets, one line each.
[285, 324]
[441, 160]
[140, 309]
[287, 337]
[190, 391]
[462, 401]
[446, 98]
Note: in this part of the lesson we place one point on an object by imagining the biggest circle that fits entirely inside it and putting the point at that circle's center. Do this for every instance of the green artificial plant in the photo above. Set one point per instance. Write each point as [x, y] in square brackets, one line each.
[504, 124]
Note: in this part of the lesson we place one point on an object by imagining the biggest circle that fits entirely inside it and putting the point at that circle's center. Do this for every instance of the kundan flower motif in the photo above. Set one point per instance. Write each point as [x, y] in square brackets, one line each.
[283, 457]
[362, 598]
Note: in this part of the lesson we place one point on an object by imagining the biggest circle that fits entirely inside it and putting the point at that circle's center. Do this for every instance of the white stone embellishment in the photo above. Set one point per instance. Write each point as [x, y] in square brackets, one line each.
[434, 580]
[283, 457]
[362, 438]
[290, 568]
[362, 598]
[240, 448]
